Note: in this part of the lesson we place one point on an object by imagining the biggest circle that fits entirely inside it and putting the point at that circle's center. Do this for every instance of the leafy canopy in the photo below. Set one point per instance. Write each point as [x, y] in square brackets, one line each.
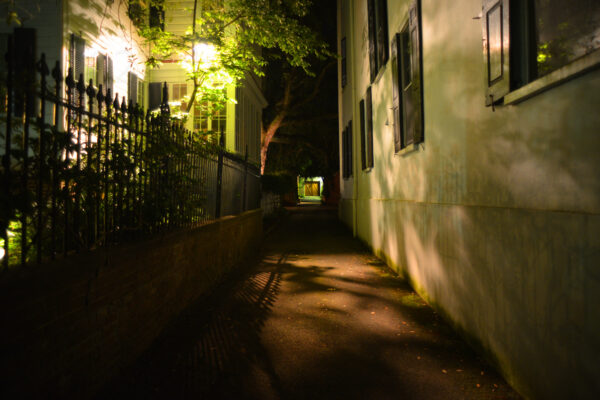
[225, 40]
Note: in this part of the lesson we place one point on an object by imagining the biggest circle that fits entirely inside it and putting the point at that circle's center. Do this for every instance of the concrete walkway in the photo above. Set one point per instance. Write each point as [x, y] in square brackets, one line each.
[317, 318]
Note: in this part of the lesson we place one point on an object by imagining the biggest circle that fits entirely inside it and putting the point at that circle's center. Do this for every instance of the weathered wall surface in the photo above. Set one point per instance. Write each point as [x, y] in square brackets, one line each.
[496, 217]
[70, 325]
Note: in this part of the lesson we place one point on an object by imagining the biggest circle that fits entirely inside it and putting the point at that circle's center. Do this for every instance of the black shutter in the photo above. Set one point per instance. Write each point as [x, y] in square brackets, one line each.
[396, 90]
[417, 62]
[77, 56]
[369, 141]
[154, 95]
[382, 33]
[132, 86]
[24, 66]
[109, 75]
[496, 49]
[411, 70]
[363, 142]
[372, 40]
[344, 160]
[369, 129]
[350, 157]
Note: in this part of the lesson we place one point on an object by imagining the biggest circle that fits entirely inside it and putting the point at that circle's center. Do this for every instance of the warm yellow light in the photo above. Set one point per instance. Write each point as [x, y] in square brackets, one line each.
[205, 53]
[91, 52]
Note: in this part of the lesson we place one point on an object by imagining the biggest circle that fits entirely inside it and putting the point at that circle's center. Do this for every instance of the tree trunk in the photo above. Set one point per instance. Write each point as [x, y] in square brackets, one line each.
[266, 136]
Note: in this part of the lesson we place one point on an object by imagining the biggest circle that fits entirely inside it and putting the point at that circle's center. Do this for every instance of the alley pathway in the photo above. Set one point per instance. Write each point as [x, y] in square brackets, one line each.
[317, 318]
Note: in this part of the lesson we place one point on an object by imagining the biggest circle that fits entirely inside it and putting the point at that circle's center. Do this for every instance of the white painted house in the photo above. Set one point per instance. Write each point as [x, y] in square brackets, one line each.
[94, 37]
[97, 39]
[472, 167]
[239, 120]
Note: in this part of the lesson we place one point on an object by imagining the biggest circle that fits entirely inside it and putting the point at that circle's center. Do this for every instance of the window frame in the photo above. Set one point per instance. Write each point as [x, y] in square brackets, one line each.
[407, 83]
[347, 165]
[518, 55]
[377, 21]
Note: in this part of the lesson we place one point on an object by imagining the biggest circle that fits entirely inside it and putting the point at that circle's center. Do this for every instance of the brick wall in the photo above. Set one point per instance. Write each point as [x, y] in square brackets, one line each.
[69, 325]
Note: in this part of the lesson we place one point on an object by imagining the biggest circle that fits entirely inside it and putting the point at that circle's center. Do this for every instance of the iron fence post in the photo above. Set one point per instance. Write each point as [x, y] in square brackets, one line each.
[219, 175]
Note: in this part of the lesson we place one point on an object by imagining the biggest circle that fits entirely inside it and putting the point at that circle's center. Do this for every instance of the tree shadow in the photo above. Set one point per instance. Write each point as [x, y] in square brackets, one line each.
[206, 351]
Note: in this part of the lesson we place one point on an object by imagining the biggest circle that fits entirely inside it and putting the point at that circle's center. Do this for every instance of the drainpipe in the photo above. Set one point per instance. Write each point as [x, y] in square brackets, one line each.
[354, 125]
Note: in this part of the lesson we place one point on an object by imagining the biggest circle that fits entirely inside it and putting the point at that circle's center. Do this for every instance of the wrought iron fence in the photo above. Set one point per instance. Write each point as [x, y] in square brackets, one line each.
[87, 169]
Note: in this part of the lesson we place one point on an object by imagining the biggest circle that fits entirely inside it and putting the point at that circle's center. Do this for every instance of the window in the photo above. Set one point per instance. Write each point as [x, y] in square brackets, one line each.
[201, 116]
[104, 73]
[77, 64]
[378, 35]
[140, 93]
[344, 65]
[407, 85]
[347, 151]
[90, 67]
[77, 56]
[207, 119]
[530, 39]
[154, 95]
[219, 120]
[178, 92]
[366, 131]
[132, 88]
[24, 68]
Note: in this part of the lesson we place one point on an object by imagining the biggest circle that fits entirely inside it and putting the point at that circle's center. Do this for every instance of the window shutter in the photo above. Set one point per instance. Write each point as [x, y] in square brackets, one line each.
[132, 87]
[363, 142]
[396, 88]
[372, 39]
[77, 56]
[154, 95]
[140, 93]
[344, 161]
[101, 71]
[382, 33]
[369, 116]
[350, 158]
[496, 49]
[413, 92]
[24, 66]
[109, 75]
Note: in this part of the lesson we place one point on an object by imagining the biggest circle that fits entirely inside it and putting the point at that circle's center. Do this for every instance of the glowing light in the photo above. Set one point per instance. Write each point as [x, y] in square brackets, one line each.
[206, 54]
[91, 52]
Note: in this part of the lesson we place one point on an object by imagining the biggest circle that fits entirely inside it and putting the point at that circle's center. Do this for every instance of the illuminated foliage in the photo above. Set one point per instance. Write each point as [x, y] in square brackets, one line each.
[225, 40]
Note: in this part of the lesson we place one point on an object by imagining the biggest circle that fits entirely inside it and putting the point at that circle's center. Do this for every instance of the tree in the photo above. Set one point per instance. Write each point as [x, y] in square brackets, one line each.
[225, 39]
[298, 107]
[302, 107]
[228, 39]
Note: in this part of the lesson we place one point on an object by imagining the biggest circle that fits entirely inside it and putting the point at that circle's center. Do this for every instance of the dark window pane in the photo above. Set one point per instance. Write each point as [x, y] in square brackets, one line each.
[406, 58]
[565, 31]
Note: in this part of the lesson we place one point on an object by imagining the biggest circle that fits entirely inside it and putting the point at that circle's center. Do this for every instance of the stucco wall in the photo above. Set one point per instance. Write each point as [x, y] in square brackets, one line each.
[69, 325]
[495, 218]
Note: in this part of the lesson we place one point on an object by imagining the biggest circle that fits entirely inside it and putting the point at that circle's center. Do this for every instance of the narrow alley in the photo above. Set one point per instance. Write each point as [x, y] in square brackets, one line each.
[316, 317]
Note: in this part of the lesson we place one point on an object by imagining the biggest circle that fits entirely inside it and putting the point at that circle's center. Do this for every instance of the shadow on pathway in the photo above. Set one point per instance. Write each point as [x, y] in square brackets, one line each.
[317, 317]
